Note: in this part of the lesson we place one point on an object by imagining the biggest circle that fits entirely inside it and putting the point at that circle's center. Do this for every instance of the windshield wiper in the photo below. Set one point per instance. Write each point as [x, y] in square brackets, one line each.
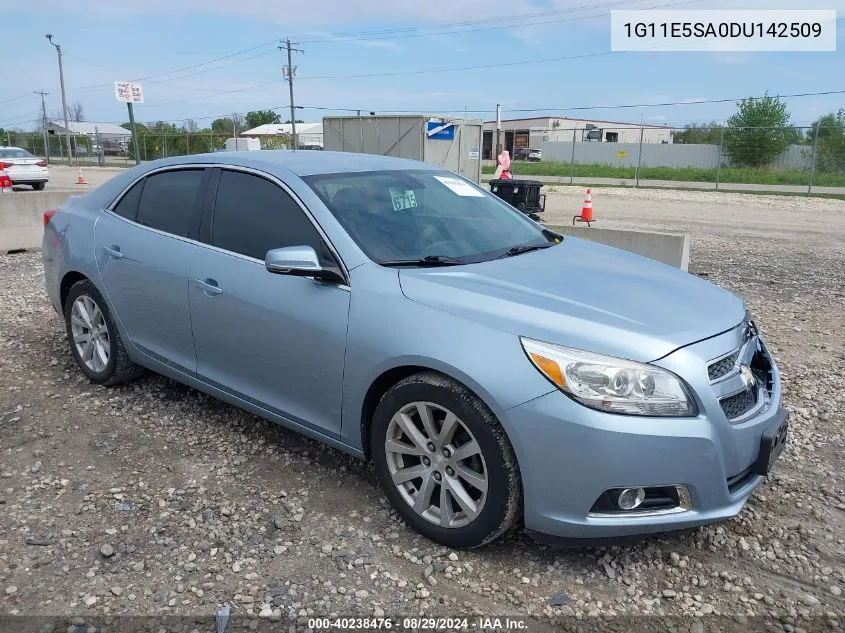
[525, 248]
[429, 260]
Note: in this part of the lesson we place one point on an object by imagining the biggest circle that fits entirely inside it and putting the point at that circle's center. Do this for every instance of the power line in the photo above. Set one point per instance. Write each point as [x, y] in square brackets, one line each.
[452, 30]
[23, 119]
[671, 103]
[18, 98]
[186, 68]
[501, 19]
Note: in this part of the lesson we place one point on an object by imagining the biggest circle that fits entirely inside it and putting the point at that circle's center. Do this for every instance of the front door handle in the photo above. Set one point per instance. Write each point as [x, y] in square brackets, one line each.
[209, 287]
[113, 251]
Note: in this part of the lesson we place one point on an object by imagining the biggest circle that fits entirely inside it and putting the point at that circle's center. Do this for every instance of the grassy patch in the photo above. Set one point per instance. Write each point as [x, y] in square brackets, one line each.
[681, 174]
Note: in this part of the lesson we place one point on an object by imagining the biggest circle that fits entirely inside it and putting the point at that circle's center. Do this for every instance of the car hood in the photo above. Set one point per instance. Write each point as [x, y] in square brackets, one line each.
[584, 295]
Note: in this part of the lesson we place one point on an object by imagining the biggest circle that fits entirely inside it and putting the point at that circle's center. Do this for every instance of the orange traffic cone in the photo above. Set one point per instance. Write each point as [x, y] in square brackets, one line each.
[80, 179]
[586, 210]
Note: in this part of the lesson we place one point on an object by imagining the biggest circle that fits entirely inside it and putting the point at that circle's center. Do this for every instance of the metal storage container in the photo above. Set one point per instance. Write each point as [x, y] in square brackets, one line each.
[451, 143]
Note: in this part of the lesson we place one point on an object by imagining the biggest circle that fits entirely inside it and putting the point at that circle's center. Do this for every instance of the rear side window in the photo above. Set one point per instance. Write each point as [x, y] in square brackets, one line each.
[15, 153]
[253, 215]
[169, 202]
[128, 205]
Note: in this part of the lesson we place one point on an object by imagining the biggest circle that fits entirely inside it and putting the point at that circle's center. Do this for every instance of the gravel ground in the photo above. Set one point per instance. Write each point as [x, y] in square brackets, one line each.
[155, 499]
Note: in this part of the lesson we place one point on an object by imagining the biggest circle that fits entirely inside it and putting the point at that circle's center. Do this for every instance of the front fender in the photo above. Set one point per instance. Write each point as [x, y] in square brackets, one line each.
[387, 331]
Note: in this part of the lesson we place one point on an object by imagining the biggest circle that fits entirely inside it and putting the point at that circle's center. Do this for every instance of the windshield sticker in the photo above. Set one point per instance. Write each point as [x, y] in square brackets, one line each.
[403, 199]
[459, 186]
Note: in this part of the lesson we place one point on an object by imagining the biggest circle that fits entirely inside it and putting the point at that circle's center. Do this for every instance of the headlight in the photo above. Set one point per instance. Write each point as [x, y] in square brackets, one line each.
[611, 384]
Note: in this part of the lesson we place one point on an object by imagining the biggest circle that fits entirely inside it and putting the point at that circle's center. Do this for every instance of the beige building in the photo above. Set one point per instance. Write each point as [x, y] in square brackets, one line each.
[530, 132]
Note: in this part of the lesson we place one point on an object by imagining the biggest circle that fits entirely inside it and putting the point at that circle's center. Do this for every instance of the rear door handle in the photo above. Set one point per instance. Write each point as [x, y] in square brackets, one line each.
[113, 251]
[209, 287]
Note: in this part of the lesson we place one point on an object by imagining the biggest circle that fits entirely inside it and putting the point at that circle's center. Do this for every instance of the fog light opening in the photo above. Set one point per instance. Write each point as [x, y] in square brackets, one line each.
[630, 498]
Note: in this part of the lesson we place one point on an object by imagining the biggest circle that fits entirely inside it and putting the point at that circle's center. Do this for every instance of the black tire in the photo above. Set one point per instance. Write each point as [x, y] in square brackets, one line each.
[119, 368]
[38, 186]
[503, 505]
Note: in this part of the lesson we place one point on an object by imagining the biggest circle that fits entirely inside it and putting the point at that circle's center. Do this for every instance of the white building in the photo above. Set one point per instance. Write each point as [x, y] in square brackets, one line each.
[309, 135]
[107, 131]
[530, 132]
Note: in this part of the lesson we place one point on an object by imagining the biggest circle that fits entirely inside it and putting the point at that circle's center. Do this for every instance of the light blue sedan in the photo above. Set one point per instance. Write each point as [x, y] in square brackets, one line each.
[494, 371]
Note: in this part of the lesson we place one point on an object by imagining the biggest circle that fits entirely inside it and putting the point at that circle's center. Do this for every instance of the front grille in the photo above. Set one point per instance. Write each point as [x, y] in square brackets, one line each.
[722, 367]
[739, 404]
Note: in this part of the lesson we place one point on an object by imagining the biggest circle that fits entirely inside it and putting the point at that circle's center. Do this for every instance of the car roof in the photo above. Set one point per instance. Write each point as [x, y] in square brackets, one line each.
[301, 162]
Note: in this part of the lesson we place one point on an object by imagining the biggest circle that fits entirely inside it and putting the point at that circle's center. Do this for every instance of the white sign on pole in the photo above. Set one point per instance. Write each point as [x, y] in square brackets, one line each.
[128, 92]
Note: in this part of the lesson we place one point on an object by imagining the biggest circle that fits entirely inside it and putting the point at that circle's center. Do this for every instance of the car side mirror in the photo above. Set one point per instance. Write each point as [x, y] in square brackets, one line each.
[299, 261]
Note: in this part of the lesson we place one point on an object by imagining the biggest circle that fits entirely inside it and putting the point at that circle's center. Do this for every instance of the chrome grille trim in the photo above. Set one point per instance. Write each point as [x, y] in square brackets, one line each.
[723, 366]
[740, 380]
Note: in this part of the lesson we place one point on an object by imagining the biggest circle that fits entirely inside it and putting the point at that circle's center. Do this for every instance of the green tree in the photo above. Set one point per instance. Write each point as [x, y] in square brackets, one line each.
[223, 125]
[706, 134]
[758, 133]
[261, 117]
[831, 146]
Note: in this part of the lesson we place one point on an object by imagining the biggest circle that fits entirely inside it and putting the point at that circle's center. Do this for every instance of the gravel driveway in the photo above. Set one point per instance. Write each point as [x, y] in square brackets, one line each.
[153, 499]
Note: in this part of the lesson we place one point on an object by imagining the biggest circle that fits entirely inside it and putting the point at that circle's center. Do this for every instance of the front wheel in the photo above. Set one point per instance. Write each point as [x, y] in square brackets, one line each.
[444, 462]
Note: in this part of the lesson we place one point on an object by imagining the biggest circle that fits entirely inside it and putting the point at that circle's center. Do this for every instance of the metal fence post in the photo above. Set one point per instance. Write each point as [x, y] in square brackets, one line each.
[719, 159]
[187, 142]
[572, 160]
[640, 155]
[815, 159]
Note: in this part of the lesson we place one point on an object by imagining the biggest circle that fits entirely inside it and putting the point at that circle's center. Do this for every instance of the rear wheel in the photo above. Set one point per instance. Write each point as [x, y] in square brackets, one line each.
[38, 186]
[444, 462]
[94, 340]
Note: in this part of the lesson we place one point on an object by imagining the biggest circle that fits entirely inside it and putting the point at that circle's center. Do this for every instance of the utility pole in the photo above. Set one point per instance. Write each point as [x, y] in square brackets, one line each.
[64, 100]
[498, 149]
[289, 71]
[44, 121]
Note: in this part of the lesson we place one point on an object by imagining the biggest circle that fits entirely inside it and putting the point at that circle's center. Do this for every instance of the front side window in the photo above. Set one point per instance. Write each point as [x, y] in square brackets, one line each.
[415, 214]
[253, 215]
[169, 201]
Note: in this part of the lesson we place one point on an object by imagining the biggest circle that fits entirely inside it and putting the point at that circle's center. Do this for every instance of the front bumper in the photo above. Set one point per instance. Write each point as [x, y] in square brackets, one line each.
[569, 455]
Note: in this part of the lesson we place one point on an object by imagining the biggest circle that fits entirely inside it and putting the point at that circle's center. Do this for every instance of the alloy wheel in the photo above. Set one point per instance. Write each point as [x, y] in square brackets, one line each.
[90, 333]
[436, 464]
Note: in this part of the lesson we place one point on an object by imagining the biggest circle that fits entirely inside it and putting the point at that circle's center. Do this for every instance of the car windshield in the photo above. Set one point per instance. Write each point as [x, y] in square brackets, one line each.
[15, 153]
[411, 215]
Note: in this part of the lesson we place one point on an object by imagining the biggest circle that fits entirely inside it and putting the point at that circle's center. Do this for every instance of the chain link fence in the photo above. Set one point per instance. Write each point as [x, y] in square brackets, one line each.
[781, 158]
[109, 151]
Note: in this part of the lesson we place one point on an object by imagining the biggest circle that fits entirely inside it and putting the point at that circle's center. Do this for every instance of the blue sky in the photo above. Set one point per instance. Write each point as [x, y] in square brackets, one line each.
[147, 38]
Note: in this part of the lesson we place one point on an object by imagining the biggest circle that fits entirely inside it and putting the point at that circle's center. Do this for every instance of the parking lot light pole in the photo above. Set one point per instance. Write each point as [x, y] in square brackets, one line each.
[64, 100]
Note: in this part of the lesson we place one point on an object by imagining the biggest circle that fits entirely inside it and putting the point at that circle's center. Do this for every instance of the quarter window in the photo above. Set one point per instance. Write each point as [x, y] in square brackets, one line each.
[169, 202]
[253, 215]
[128, 205]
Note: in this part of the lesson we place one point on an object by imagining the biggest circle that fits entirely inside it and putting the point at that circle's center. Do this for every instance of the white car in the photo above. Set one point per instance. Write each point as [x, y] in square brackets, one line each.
[24, 168]
[535, 155]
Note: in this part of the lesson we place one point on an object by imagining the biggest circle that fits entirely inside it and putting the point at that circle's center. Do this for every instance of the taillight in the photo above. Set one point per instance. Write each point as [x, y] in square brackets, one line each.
[48, 215]
[41, 163]
[6, 165]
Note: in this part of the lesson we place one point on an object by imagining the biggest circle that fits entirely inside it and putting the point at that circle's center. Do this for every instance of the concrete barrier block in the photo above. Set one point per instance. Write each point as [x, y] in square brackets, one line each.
[668, 248]
[22, 217]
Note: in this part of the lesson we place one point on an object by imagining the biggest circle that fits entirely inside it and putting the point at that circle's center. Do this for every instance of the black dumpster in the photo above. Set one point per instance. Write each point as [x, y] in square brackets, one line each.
[522, 194]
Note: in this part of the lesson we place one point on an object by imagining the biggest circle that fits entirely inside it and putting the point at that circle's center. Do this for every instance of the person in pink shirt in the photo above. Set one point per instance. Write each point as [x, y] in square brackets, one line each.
[503, 170]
